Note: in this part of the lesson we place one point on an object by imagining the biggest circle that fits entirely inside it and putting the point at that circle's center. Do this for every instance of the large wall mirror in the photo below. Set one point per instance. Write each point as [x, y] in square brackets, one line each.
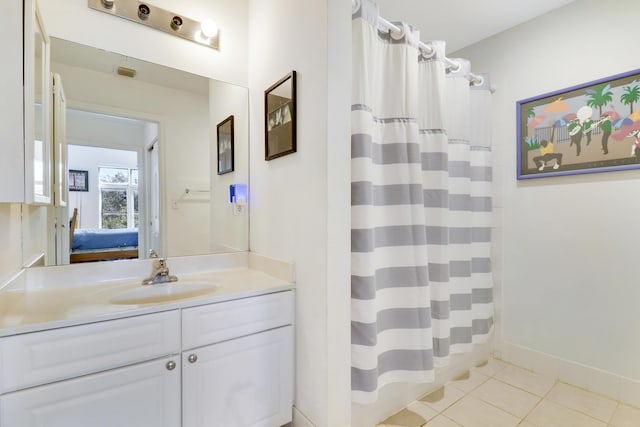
[141, 142]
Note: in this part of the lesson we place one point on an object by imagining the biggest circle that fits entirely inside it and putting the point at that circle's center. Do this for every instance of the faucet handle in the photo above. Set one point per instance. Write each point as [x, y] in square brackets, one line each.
[153, 253]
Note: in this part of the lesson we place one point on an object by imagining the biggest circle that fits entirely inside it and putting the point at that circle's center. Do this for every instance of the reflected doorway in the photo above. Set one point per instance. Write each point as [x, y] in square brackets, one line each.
[113, 202]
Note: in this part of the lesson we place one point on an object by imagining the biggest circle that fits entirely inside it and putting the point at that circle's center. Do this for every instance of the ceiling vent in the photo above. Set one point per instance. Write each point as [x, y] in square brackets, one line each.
[127, 72]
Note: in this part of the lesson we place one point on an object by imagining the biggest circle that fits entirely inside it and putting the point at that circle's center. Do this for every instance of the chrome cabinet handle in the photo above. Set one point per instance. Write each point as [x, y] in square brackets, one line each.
[192, 358]
[171, 365]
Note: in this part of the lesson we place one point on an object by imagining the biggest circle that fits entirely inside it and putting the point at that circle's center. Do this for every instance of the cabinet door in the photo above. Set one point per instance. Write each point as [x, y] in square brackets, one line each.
[37, 108]
[145, 395]
[246, 382]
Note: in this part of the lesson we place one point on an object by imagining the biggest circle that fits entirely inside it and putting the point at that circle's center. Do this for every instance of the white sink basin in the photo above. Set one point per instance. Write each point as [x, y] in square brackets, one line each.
[164, 292]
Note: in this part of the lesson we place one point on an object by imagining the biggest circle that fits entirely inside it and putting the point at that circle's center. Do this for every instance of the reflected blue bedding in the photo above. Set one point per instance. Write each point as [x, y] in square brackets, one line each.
[89, 239]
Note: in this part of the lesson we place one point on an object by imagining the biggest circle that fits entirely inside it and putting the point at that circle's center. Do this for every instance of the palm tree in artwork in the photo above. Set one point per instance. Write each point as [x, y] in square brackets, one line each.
[531, 113]
[630, 95]
[599, 96]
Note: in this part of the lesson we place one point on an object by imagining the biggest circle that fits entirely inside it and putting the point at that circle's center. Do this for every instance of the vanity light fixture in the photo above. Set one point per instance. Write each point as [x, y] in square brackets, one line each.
[205, 33]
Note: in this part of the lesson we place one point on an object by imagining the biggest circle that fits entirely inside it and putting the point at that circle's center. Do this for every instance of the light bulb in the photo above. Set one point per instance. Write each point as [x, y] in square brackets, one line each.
[209, 28]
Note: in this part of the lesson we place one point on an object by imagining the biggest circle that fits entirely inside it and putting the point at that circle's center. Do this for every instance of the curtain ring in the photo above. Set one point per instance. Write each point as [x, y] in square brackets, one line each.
[477, 81]
[425, 54]
[397, 35]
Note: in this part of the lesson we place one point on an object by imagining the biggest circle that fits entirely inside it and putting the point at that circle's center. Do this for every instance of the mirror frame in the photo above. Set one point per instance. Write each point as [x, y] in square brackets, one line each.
[225, 129]
[275, 126]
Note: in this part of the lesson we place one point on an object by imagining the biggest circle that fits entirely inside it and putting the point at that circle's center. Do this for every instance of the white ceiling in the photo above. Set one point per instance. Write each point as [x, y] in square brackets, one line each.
[464, 22]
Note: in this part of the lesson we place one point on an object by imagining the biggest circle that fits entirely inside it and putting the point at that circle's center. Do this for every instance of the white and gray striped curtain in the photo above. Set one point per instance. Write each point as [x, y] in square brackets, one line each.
[421, 209]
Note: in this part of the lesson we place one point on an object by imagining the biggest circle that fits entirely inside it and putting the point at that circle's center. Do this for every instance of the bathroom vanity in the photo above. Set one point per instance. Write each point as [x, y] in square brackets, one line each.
[221, 359]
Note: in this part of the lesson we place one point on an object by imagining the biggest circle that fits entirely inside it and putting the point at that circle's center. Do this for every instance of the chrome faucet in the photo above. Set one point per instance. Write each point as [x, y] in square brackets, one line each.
[160, 273]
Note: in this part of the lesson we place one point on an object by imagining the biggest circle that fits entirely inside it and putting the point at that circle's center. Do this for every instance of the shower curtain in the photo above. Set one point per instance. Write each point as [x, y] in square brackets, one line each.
[421, 285]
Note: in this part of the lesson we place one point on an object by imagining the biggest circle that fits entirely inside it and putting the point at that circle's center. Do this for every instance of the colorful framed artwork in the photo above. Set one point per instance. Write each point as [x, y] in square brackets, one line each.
[225, 146]
[592, 127]
[280, 117]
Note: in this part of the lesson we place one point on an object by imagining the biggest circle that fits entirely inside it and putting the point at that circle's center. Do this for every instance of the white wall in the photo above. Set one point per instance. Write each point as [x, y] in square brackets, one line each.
[228, 231]
[34, 235]
[74, 20]
[567, 274]
[292, 217]
[11, 236]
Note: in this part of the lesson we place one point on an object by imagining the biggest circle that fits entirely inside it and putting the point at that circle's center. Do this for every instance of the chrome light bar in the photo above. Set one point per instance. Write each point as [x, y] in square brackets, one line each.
[204, 33]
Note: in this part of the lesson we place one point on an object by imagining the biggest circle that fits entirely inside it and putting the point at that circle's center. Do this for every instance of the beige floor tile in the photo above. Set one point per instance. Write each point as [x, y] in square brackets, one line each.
[526, 424]
[469, 381]
[626, 416]
[526, 380]
[473, 412]
[442, 398]
[550, 414]
[507, 397]
[490, 367]
[405, 418]
[583, 401]
[442, 421]
[423, 410]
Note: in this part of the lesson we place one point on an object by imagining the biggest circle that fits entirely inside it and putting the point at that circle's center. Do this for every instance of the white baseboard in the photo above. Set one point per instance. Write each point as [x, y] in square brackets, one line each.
[593, 379]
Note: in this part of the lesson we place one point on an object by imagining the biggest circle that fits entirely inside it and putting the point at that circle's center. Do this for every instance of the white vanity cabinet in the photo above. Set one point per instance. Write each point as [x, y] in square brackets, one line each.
[226, 364]
[25, 106]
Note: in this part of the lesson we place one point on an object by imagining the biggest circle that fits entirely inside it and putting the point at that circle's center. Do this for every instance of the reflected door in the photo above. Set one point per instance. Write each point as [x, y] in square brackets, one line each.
[60, 173]
[153, 198]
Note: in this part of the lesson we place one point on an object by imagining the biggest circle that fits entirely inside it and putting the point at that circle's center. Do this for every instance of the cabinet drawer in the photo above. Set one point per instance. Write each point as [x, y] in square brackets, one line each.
[227, 320]
[42, 357]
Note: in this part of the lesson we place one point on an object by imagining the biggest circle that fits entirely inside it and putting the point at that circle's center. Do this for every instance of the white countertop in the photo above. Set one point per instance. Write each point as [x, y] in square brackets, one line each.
[30, 310]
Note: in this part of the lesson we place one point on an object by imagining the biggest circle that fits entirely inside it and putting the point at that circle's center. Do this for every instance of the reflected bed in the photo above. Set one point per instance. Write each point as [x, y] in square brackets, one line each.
[101, 244]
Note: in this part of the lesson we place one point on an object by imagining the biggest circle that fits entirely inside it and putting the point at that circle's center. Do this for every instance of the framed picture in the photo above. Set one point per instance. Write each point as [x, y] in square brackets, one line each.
[78, 180]
[592, 127]
[280, 118]
[225, 146]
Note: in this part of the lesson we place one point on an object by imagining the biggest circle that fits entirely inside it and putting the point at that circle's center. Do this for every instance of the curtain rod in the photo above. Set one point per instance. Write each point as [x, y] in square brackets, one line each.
[426, 49]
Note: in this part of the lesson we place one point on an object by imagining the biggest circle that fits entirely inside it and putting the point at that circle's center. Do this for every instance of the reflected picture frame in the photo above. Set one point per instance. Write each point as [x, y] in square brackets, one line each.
[78, 180]
[226, 149]
[280, 108]
[586, 128]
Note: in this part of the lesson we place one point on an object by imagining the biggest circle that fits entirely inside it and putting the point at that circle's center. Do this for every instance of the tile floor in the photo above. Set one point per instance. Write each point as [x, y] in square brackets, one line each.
[498, 394]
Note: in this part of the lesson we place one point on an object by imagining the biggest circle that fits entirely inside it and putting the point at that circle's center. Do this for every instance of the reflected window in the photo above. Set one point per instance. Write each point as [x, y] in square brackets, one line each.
[118, 197]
